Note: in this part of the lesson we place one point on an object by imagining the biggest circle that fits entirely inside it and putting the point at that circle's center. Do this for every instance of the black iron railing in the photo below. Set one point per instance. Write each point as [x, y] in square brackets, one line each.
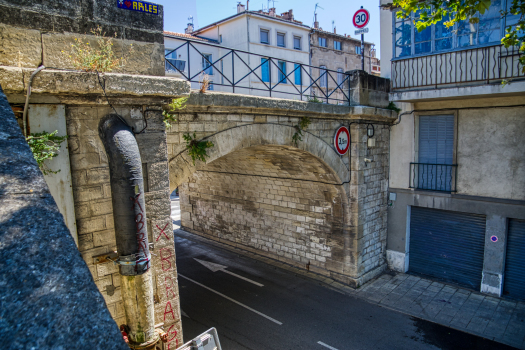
[479, 65]
[243, 72]
[435, 177]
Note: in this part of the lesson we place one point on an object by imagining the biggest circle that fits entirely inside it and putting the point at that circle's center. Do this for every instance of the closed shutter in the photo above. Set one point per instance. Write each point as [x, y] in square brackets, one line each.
[514, 278]
[265, 70]
[447, 245]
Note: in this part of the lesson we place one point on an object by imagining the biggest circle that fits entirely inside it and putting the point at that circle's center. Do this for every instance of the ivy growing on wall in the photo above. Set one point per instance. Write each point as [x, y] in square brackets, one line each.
[197, 149]
[44, 146]
[175, 105]
[303, 125]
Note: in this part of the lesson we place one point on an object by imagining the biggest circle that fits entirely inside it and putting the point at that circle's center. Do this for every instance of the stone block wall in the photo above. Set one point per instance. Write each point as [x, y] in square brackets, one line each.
[41, 33]
[276, 201]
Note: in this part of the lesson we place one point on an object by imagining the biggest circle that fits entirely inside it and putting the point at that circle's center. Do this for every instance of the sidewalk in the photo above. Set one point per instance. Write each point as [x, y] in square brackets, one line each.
[492, 318]
[496, 319]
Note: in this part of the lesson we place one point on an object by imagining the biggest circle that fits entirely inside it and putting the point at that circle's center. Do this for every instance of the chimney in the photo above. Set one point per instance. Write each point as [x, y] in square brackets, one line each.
[247, 5]
[240, 8]
[189, 29]
[316, 24]
[335, 31]
[272, 12]
[287, 15]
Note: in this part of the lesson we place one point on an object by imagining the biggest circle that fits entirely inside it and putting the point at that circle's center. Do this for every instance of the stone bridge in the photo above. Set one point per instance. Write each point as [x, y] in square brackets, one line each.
[304, 205]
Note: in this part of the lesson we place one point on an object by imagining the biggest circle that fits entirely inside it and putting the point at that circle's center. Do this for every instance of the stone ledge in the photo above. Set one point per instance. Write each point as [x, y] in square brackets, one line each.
[219, 102]
[65, 82]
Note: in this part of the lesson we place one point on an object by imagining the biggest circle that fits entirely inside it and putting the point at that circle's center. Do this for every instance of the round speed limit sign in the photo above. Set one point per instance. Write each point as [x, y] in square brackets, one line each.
[361, 18]
[342, 140]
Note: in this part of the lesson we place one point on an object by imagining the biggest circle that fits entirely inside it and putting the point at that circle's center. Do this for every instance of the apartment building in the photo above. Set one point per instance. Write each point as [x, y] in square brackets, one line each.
[457, 166]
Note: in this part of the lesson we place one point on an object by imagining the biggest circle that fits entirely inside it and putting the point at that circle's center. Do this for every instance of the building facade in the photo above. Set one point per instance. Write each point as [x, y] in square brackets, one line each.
[457, 169]
[273, 53]
[335, 54]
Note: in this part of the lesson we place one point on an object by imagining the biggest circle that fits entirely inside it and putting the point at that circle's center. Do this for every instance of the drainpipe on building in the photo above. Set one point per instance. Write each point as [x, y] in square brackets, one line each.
[129, 213]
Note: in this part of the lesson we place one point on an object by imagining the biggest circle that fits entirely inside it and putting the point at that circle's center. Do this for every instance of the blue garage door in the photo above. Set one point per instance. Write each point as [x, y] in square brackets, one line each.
[514, 278]
[447, 245]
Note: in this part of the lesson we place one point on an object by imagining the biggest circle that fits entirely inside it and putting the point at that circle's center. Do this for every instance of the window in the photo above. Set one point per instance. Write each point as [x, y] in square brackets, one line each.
[408, 41]
[206, 64]
[339, 76]
[337, 45]
[282, 72]
[358, 50]
[265, 70]
[297, 42]
[297, 74]
[322, 42]
[324, 76]
[436, 152]
[265, 36]
[169, 54]
[280, 40]
[170, 58]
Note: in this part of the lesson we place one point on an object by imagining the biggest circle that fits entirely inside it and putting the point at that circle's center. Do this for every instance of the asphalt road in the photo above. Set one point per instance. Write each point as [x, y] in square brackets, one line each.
[292, 312]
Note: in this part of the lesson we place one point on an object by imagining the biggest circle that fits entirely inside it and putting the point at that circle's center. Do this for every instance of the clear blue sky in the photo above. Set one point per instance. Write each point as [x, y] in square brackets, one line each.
[204, 12]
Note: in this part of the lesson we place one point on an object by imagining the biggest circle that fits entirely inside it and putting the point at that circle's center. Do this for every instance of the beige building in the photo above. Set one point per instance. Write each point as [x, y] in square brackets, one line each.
[335, 54]
[457, 170]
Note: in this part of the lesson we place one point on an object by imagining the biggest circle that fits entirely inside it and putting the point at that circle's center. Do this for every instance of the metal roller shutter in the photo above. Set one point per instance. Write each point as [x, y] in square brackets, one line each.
[514, 278]
[447, 245]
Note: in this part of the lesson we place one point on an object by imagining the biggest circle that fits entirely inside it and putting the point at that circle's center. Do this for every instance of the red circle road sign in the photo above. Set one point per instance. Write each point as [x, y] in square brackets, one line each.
[361, 18]
[342, 140]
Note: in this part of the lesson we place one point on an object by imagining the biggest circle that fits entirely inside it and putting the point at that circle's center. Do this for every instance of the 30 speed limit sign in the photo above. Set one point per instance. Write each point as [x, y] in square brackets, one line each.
[361, 18]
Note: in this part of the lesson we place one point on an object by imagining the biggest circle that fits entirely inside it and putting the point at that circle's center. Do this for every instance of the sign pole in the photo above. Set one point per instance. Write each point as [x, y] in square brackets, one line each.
[362, 52]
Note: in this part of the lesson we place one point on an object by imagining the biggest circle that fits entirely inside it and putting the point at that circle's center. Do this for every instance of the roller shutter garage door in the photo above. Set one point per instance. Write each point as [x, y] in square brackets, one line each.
[514, 278]
[447, 245]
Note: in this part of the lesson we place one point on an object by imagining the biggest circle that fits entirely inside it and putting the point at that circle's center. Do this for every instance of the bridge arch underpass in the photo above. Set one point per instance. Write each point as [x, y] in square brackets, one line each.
[270, 198]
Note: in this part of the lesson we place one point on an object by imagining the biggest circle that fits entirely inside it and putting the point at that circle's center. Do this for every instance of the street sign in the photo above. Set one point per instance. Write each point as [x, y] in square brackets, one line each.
[359, 31]
[342, 140]
[361, 18]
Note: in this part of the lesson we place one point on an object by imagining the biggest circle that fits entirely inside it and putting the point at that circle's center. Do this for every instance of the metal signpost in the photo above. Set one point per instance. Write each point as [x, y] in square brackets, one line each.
[361, 19]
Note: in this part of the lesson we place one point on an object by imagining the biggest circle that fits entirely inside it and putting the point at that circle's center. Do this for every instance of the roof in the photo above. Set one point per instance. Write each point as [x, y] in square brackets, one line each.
[313, 30]
[189, 36]
[257, 13]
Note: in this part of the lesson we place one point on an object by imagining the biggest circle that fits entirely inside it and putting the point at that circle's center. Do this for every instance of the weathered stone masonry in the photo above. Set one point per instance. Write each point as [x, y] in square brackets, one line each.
[298, 205]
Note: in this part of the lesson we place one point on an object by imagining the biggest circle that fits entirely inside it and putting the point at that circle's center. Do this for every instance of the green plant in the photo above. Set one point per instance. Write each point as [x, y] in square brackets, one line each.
[44, 146]
[96, 59]
[197, 149]
[314, 100]
[392, 106]
[303, 125]
[176, 105]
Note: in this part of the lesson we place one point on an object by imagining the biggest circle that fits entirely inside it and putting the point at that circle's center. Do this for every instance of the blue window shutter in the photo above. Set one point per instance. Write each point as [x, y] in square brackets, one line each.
[265, 71]
[436, 139]
[297, 74]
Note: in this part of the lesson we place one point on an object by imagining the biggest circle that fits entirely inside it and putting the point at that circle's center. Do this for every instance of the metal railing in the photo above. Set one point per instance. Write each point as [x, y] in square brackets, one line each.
[434, 177]
[479, 65]
[236, 71]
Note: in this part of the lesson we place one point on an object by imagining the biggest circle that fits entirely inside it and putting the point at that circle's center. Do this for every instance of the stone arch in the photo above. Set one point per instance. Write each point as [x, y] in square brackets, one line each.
[273, 142]
[181, 166]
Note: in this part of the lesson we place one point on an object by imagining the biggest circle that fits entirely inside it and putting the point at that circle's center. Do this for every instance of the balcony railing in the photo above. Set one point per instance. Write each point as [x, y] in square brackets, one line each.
[434, 177]
[242, 72]
[479, 66]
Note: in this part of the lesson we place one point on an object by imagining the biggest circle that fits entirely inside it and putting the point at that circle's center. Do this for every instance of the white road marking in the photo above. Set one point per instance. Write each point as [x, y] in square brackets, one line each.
[326, 345]
[232, 300]
[217, 267]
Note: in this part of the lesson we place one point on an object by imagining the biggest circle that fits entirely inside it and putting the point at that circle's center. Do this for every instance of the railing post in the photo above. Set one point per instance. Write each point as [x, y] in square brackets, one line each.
[189, 69]
[233, 72]
[270, 74]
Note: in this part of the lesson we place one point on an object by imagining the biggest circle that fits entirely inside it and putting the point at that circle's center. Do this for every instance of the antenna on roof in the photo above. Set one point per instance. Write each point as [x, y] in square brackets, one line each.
[333, 25]
[190, 19]
[273, 1]
[315, 13]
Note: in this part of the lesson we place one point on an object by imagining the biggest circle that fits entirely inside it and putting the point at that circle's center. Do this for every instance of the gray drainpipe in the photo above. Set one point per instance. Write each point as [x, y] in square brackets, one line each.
[129, 213]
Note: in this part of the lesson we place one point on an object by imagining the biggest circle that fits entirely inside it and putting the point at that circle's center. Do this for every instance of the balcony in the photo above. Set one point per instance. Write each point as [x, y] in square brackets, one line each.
[433, 177]
[477, 66]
